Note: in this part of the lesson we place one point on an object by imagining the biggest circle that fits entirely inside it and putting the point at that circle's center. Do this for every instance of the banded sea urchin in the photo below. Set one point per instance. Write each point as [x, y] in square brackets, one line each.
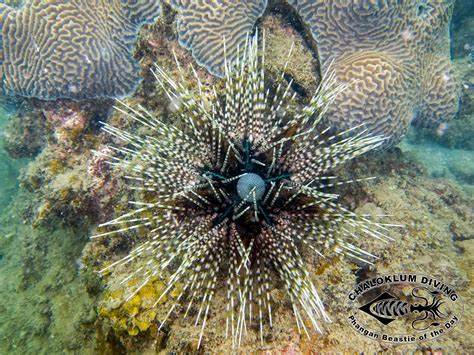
[237, 192]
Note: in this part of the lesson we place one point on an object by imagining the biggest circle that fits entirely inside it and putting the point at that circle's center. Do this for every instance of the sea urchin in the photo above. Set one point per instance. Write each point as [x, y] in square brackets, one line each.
[237, 192]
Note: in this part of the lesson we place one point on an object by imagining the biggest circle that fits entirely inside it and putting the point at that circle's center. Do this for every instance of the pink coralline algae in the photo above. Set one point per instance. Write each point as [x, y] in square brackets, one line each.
[68, 123]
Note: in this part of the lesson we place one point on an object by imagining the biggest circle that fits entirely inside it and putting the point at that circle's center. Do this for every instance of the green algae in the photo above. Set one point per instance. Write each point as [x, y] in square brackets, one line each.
[45, 306]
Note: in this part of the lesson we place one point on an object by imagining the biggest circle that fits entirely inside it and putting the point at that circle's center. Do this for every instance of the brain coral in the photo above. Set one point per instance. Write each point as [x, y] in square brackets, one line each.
[396, 52]
[72, 49]
[202, 25]
[4, 11]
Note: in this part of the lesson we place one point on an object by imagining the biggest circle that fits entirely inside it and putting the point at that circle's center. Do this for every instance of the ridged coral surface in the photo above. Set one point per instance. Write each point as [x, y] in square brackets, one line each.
[203, 27]
[398, 53]
[395, 52]
[4, 11]
[74, 49]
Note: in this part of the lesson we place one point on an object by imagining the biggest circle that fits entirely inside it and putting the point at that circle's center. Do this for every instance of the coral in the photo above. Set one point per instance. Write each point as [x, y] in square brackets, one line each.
[137, 314]
[14, 3]
[438, 241]
[69, 124]
[395, 54]
[399, 54]
[136, 317]
[379, 98]
[237, 184]
[202, 26]
[458, 133]
[41, 275]
[65, 174]
[59, 176]
[77, 49]
[4, 11]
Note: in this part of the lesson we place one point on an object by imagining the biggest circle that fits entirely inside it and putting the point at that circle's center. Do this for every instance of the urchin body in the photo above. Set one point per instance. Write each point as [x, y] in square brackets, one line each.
[237, 192]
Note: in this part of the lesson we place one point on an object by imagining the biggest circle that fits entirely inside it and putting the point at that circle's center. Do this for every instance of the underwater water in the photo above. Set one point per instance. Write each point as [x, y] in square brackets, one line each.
[10, 170]
[57, 138]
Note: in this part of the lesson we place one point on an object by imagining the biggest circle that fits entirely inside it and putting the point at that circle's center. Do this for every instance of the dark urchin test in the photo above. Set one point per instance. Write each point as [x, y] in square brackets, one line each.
[245, 187]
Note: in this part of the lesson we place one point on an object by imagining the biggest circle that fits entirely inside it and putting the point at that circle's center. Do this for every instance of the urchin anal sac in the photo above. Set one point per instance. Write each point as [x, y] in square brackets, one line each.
[251, 187]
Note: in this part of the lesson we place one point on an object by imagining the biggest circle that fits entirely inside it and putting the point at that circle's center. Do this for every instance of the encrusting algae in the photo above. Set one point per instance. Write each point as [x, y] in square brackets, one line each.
[136, 314]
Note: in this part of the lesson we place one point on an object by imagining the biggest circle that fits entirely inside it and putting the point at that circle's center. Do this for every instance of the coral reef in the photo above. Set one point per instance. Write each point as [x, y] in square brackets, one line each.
[447, 151]
[77, 49]
[429, 208]
[25, 135]
[136, 321]
[458, 133]
[299, 65]
[438, 237]
[398, 53]
[65, 173]
[47, 296]
[52, 301]
[14, 3]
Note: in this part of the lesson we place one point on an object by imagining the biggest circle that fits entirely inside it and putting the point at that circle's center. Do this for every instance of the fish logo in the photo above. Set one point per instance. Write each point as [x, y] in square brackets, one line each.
[386, 308]
[410, 307]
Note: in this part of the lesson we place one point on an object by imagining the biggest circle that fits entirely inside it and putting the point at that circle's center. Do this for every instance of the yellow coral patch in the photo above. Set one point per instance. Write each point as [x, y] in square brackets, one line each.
[133, 306]
[138, 314]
